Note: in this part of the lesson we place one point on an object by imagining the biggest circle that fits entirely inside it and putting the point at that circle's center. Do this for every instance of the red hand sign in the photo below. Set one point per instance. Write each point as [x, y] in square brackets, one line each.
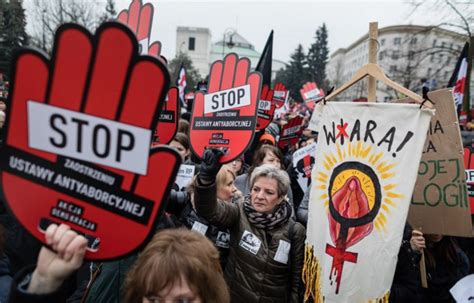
[266, 108]
[280, 94]
[140, 19]
[291, 132]
[169, 118]
[226, 116]
[96, 100]
[311, 94]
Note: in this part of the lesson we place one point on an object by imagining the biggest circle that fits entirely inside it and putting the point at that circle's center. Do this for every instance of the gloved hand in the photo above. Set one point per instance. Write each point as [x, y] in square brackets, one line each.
[210, 165]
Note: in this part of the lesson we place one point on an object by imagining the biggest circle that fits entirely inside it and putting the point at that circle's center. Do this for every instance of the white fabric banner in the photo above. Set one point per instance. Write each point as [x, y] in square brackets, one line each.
[366, 166]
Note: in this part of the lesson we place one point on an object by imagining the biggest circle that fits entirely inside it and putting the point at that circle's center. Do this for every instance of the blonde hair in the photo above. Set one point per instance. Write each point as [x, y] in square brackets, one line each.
[172, 254]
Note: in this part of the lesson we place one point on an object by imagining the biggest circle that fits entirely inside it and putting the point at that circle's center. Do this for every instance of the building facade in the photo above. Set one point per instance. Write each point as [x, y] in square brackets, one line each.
[196, 43]
[411, 55]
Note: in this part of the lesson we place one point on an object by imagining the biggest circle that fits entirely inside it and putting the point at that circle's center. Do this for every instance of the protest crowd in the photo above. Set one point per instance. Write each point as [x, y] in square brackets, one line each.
[236, 193]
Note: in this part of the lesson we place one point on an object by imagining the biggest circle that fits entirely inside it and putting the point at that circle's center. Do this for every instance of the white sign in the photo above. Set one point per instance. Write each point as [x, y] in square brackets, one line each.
[303, 162]
[312, 94]
[185, 176]
[85, 137]
[469, 175]
[316, 116]
[279, 93]
[227, 99]
[264, 105]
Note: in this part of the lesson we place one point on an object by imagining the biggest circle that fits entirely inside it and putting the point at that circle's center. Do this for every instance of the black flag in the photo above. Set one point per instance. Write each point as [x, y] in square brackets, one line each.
[264, 65]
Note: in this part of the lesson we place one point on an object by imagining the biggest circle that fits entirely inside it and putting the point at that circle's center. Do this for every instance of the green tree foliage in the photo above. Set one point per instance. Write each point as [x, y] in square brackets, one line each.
[12, 31]
[318, 56]
[295, 74]
[192, 75]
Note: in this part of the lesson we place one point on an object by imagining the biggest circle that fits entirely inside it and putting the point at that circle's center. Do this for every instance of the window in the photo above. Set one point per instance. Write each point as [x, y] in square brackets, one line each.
[434, 42]
[395, 55]
[428, 73]
[451, 46]
[382, 42]
[446, 75]
[397, 41]
[413, 40]
[393, 69]
[411, 55]
[443, 44]
[432, 58]
[448, 60]
[191, 43]
[440, 58]
[381, 54]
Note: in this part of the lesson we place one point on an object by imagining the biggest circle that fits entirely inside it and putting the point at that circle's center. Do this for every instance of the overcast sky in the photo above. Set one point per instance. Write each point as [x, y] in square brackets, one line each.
[294, 22]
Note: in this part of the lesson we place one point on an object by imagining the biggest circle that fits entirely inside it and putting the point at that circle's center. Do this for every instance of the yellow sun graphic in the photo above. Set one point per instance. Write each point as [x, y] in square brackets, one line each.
[363, 153]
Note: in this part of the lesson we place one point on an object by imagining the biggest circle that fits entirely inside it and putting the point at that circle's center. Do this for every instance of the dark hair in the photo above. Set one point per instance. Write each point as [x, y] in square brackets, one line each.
[171, 255]
[260, 155]
[444, 251]
[182, 139]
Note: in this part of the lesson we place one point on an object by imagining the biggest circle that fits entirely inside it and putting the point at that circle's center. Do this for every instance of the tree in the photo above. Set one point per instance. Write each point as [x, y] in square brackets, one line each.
[192, 75]
[455, 15]
[12, 31]
[318, 56]
[110, 12]
[296, 73]
[48, 15]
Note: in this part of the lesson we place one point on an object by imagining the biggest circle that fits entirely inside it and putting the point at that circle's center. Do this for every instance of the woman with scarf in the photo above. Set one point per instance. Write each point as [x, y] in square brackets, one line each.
[266, 243]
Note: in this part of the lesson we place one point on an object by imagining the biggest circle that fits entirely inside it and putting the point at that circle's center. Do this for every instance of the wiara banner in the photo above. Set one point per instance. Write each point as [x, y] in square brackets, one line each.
[365, 170]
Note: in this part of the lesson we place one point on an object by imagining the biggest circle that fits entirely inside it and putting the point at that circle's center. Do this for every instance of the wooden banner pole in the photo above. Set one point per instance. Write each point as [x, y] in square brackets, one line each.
[373, 35]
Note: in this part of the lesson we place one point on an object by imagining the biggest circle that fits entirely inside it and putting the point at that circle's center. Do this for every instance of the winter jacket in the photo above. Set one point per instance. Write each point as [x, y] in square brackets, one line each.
[406, 286]
[187, 216]
[259, 268]
[5, 278]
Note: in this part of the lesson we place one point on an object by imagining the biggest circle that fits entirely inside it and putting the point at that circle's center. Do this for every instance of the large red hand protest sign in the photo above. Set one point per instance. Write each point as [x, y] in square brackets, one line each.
[168, 119]
[95, 100]
[140, 19]
[266, 108]
[226, 116]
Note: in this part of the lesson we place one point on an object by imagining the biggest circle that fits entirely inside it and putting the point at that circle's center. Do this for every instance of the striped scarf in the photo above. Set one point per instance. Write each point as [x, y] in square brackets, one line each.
[280, 215]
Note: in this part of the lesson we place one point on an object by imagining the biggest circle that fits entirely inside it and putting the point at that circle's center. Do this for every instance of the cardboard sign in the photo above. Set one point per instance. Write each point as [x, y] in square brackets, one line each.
[140, 20]
[169, 118]
[81, 105]
[290, 133]
[439, 204]
[266, 108]
[280, 94]
[303, 162]
[226, 116]
[469, 165]
[367, 158]
[311, 94]
[184, 177]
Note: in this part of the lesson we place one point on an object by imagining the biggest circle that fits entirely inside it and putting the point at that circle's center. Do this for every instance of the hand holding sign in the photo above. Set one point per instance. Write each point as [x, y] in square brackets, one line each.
[95, 100]
[140, 19]
[225, 117]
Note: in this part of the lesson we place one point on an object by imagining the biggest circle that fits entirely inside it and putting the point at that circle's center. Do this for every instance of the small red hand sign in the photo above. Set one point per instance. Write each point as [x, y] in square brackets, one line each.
[280, 94]
[311, 94]
[78, 136]
[266, 108]
[291, 132]
[169, 119]
[226, 116]
[140, 19]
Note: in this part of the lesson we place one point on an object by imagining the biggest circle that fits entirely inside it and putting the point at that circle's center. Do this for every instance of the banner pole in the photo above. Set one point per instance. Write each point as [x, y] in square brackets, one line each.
[373, 35]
